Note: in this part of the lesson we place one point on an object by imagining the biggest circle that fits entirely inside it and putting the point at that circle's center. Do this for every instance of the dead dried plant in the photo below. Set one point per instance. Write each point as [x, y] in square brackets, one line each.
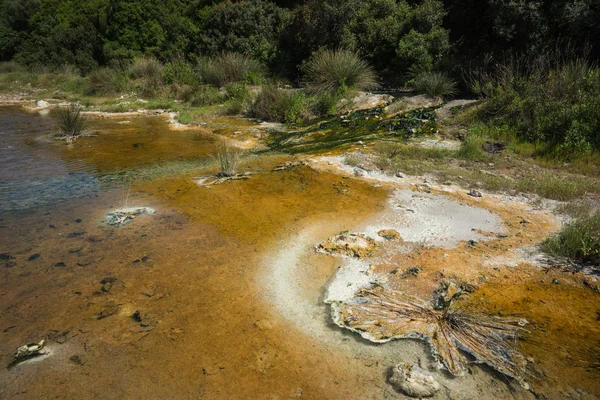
[381, 314]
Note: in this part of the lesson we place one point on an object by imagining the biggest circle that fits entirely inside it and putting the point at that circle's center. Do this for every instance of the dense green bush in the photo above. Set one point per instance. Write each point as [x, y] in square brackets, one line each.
[335, 71]
[230, 67]
[578, 241]
[550, 99]
[282, 105]
[247, 27]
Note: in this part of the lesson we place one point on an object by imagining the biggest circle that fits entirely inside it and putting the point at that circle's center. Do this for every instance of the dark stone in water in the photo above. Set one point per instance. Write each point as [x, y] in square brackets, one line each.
[75, 234]
[33, 257]
[78, 220]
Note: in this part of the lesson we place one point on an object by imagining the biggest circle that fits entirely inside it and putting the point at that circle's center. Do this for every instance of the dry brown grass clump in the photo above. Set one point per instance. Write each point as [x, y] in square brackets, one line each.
[381, 315]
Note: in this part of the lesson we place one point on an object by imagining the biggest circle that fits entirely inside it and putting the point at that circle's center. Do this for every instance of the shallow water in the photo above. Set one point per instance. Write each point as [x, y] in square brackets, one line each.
[199, 304]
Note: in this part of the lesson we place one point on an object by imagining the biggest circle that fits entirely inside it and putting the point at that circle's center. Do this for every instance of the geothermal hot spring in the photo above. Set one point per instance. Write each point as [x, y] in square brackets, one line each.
[287, 284]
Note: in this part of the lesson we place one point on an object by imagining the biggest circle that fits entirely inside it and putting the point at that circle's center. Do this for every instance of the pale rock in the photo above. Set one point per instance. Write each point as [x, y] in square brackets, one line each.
[414, 381]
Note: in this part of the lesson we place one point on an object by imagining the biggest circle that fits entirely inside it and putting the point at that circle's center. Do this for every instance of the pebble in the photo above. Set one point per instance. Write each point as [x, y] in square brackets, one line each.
[475, 193]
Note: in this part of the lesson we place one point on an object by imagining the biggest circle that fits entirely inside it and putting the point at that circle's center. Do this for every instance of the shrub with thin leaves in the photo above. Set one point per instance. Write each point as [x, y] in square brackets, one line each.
[335, 70]
[434, 84]
[230, 67]
[70, 122]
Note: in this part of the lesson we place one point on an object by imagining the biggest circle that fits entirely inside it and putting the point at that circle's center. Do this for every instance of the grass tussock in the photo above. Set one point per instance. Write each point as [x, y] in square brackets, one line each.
[578, 241]
[436, 85]
[70, 123]
[229, 159]
[333, 71]
[231, 67]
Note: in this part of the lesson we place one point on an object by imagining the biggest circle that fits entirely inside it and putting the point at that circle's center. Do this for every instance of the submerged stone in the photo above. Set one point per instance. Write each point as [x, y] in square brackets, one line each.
[123, 216]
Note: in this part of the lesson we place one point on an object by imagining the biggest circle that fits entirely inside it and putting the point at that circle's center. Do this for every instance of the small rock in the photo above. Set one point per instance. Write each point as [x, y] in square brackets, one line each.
[33, 257]
[257, 136]
[358, 172]
[556, 282]
[77, 360]
[107, 284]
[414, 381]
[60, 264]
[475, 193]
[389, 234]
[399, 175]
[237, 133]
[42, 104]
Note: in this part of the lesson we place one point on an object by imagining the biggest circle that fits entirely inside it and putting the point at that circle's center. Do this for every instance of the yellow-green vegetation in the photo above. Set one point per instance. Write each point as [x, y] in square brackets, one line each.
[578, 241]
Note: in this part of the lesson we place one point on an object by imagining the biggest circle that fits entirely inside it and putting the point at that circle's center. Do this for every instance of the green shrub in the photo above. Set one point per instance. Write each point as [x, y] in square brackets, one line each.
[149, 72]
[333, 71]
[148, 68]
[230, 67]
[70, 123]
[434, 84]
[553, 100]
[471, 149]
[578, 241]
[282, 105]
[206, 96]
[185, 93]
[104, 81]
[237, 98]
[325, 104]
[180, 72]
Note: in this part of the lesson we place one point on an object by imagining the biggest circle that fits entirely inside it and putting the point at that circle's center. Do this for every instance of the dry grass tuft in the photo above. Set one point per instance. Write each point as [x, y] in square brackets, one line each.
[381, 314]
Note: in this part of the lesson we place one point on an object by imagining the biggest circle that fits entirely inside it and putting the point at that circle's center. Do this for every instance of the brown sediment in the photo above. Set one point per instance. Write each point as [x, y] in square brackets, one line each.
[191, 275]
[260, 209]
